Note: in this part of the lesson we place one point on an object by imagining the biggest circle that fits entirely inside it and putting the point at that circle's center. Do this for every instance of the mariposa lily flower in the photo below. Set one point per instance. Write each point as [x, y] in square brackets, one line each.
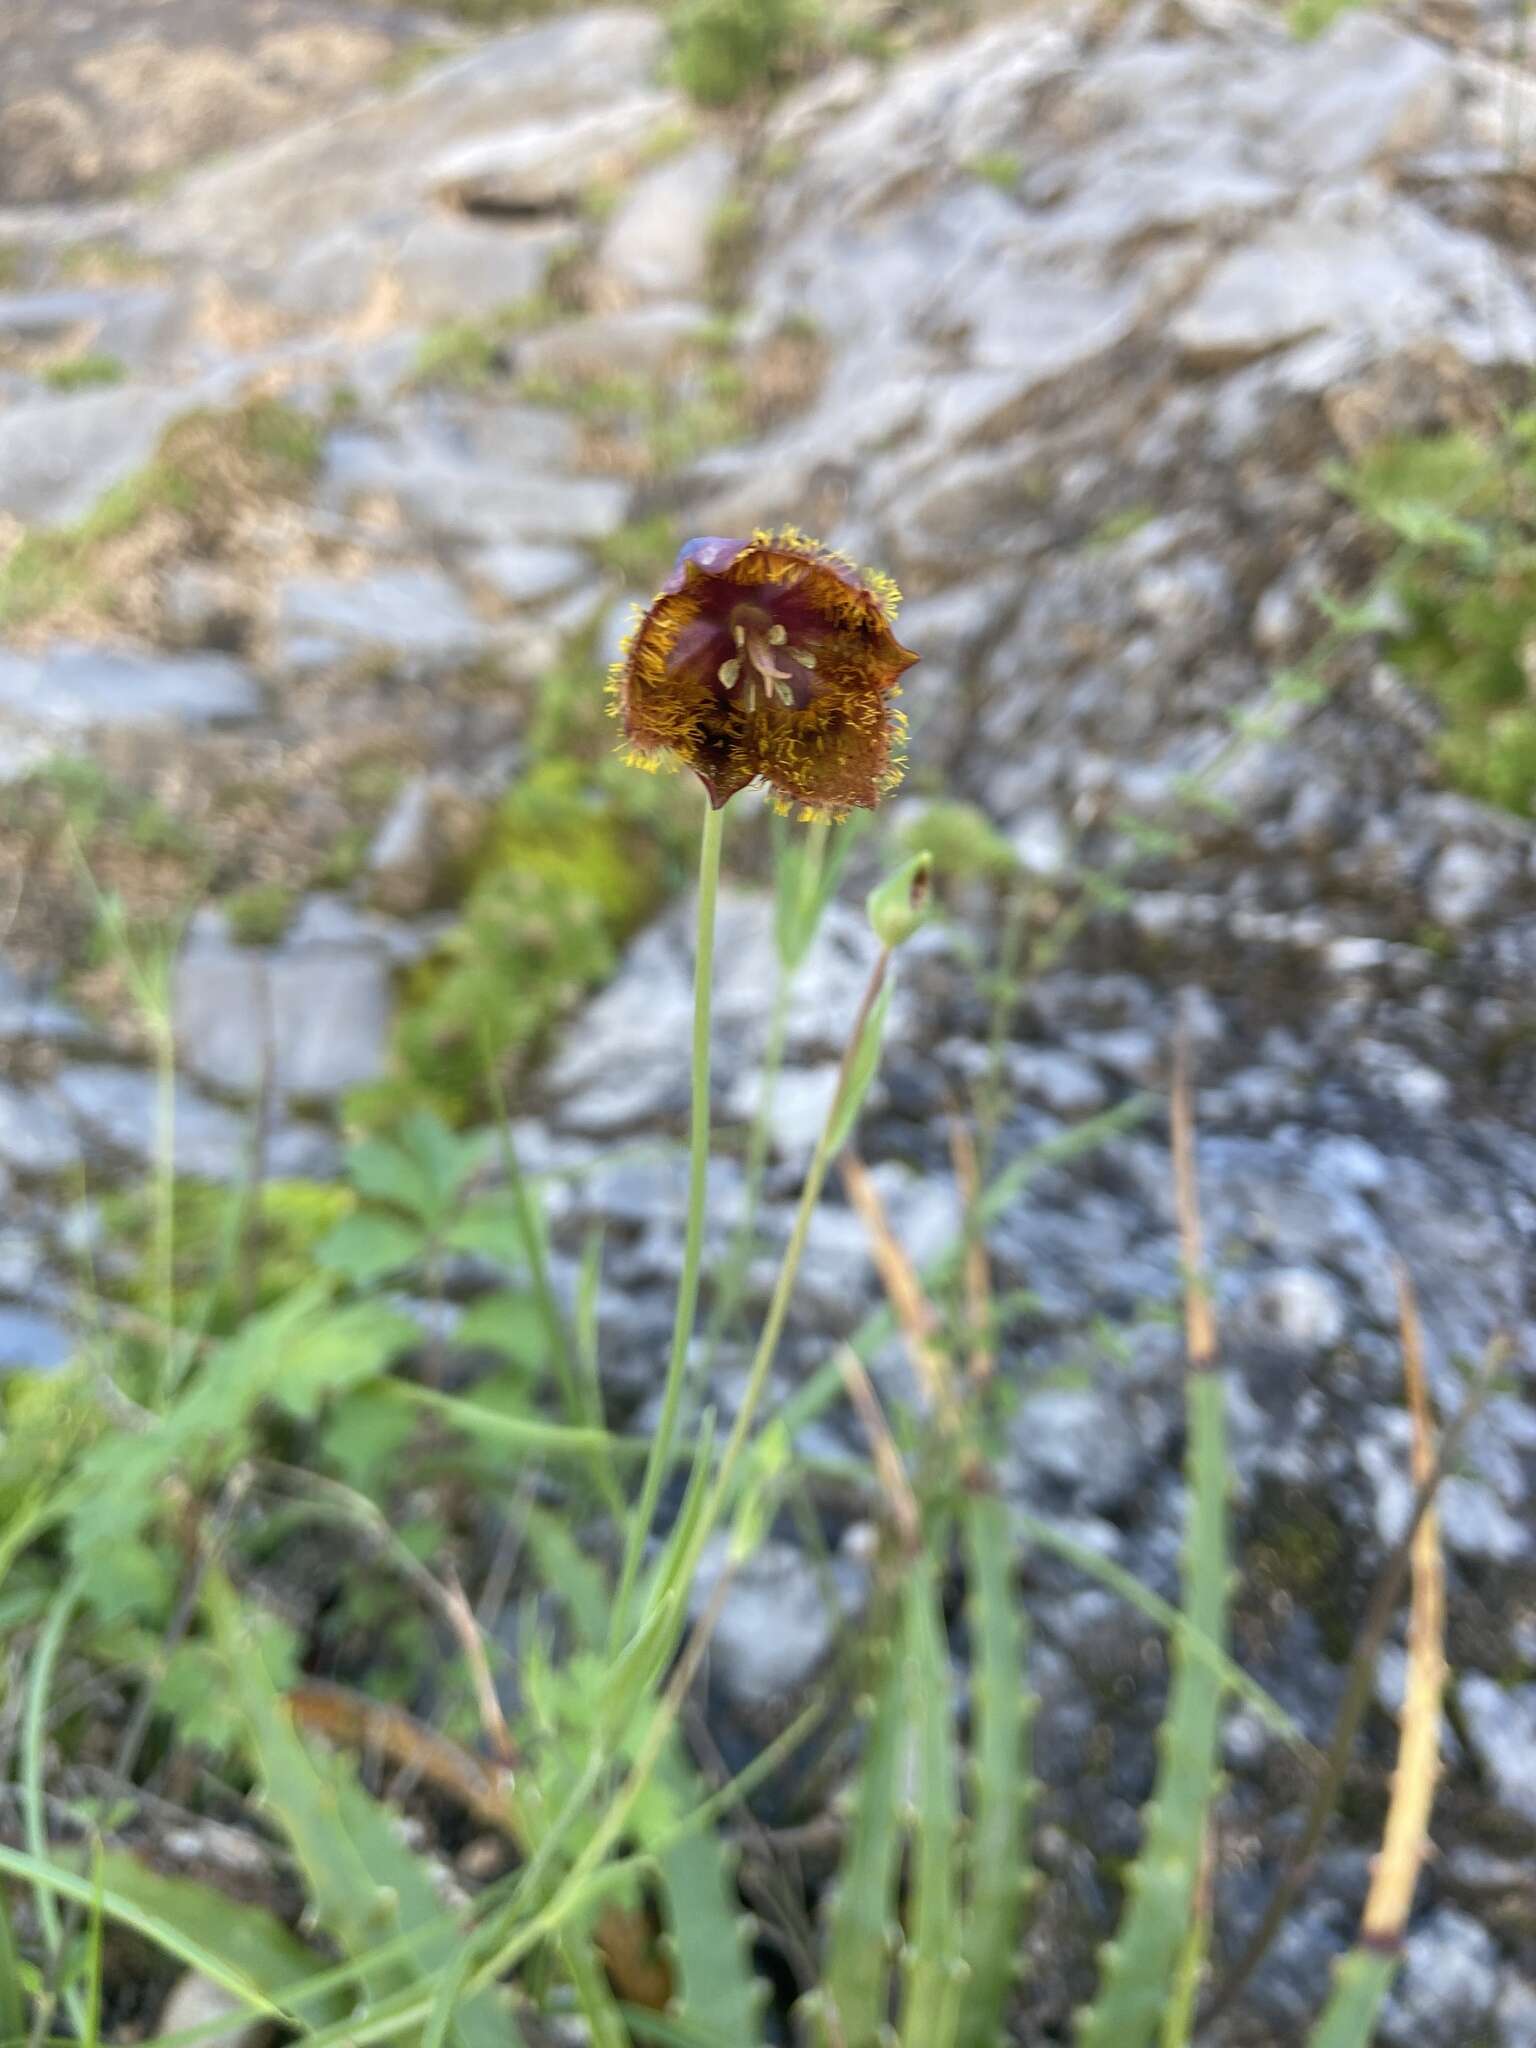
[770, 659]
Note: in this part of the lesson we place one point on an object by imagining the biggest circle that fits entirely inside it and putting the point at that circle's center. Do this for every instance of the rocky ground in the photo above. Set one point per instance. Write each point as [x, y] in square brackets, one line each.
[1060, 320]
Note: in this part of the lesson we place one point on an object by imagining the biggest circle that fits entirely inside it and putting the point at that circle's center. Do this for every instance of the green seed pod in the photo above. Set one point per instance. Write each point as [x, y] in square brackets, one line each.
[899, 906]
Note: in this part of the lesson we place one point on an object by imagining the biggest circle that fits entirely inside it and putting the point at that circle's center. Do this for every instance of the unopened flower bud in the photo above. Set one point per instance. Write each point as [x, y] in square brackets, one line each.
[900, 904]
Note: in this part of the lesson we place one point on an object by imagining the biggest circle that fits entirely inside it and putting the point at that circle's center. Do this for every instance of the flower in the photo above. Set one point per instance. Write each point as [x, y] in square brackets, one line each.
[769, 659]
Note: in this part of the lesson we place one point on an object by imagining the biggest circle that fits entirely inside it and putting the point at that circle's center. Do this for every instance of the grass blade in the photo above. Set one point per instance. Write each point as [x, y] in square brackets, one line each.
[529, 1433]
[933, 1965]
[1139, 1965]
[1002, 1709]
[849, 2009]
[90, 2033]
[162, 1934]
[13, 2024]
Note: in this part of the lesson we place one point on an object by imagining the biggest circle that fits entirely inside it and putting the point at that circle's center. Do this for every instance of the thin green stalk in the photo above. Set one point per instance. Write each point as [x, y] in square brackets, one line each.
[789, 1268]
[728, 1298]
[45, 1657]
[801, 901]
[659, 1464]
[531, 1241]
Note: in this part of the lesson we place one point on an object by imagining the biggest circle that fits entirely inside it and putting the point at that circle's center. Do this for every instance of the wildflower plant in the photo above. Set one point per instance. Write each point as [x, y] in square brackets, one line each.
[136, 1533]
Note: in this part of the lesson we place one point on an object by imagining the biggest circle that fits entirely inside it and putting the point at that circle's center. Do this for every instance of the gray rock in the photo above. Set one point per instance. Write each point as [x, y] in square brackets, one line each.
[419, 854]
[798, 1111]
[540, 166]
[1500, 1725]
[1058, 1081]
[776, 1629]
[1074, 1450]
[119, 1108]
[36, 319]
[23, 1258]
[524, 572]
[1516, 2015]
[58, 454]
[252, 215]
[73, 690]
[1356, 263]
[1477, 1524]
[642, 341]
[1466, 884]
[32, 1342]
[36, 1138]
[657, 243]
[1446, 1988]
[416, 619]
[452, 269]
[489, 494]
[1297, 1309]
[316, 1013]
[196, 2001]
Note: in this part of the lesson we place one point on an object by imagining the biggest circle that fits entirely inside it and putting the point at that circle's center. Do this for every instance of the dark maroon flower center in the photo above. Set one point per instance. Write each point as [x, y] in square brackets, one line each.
[756, 645]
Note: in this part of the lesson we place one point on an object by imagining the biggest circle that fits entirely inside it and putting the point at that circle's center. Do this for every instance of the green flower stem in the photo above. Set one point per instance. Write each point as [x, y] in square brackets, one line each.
[792, 950]
[789, 1267]
[659, 1464]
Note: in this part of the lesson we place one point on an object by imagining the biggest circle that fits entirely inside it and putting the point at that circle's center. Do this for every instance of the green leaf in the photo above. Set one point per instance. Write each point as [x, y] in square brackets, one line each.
[933, 1965]
[13, 2025]
[1002, 1708]
[1360, 1985]
[365, 1885]
[364, 1247]
[718, 1992]
[526, 1433]
[492, 1225]
[421, 1167]
[249, 1941]
[56, 1881]
[510, 1323]
[365, 1434]
[1139, 1966]
[849, 2008]
[337, 1353]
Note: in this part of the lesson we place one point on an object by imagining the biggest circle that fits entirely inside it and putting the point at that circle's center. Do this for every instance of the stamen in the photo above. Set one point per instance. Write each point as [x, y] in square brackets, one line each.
[740, 635]
[777, 635]
[729, 672]
[786, 695]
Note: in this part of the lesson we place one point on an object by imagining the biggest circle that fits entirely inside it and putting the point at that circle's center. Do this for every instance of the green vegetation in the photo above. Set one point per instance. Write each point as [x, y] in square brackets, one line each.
[1001, 168]
[106, 261]
[234, 1250]
[1309, 18]
[1454, 602]
[462, 354]
[259, 914]
[207, 469]
[732, 243]
[576, 860]
[1120, 525]
[406, 65]
[468, 355]
[499, 13]
[84, 372]
[729, 50]
[641, 552]
[668, 423]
